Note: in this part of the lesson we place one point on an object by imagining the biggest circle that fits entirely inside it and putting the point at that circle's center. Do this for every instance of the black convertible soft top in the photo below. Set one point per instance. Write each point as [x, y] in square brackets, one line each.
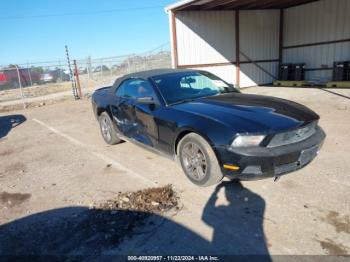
[149, 73]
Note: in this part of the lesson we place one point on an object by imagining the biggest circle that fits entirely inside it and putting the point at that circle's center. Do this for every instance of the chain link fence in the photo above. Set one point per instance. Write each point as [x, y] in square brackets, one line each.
[30, 82]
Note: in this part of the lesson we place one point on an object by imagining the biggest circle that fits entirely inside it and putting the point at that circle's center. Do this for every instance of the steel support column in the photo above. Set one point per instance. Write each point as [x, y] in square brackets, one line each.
[238, 68]
[281, 39]
[174, 38]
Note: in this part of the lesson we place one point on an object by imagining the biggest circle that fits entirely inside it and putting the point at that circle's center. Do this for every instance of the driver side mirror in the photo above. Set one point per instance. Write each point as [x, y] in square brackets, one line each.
[145, 100]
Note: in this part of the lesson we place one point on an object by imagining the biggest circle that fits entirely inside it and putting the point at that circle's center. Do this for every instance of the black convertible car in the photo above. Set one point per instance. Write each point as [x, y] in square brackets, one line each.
[208, 125]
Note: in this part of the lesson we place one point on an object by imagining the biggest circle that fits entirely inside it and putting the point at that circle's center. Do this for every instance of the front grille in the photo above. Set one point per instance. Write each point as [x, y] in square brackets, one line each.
[293, 136]
[305, 157]
[287, 159]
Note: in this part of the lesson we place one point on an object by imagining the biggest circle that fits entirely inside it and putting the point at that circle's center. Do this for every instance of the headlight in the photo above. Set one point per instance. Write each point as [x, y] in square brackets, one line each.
[246, 140]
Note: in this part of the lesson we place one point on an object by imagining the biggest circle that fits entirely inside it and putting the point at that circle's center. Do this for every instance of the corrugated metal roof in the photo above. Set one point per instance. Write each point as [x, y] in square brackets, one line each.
[235, 4]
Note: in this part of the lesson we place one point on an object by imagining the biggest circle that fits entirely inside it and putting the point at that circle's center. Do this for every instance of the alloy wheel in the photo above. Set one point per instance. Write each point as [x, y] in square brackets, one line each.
[194, 161]
[106, 129]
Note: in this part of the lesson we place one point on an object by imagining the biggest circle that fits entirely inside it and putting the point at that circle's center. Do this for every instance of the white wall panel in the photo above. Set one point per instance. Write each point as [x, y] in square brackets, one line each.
[209, 37]
[259, 34]
[205, 37]
[259, 40]
[325, 20]
[251, 75]
[227, 72]
[322, 21]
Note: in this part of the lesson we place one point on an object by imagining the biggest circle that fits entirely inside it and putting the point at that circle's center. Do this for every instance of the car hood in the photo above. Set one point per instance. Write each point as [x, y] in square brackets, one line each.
[250, 113]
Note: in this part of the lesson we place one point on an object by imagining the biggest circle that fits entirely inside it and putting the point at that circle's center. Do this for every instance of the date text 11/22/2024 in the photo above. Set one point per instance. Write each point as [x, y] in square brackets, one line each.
[173, 258]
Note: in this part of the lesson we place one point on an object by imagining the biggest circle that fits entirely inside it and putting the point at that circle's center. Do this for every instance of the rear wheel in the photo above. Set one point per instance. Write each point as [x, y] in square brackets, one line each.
[107, 129]
[199, 161]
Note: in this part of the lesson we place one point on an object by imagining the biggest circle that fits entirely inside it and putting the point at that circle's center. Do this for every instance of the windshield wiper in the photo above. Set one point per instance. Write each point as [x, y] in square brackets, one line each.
[182, 101]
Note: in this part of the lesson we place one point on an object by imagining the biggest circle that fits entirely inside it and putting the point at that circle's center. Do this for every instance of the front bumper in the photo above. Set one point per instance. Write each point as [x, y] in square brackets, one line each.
[262, 162]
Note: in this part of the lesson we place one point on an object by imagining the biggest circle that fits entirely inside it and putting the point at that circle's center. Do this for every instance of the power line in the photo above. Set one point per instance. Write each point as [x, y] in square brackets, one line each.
[81, 13]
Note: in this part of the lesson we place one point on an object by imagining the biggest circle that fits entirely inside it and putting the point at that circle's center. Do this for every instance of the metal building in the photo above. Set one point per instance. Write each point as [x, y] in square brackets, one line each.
[245, 41]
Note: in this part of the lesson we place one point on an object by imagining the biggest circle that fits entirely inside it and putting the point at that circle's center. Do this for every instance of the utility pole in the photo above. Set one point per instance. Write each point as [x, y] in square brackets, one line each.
[76, 73]
[74, 86]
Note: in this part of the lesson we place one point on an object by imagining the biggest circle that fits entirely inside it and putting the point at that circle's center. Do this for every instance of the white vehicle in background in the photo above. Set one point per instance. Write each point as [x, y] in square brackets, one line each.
[54, 76]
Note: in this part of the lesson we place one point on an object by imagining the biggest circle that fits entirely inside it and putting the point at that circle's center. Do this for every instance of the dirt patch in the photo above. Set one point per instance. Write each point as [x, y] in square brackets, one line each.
[42, 103]
[129, 213]
[15, 169]
[13, 199]
[153, 200]
[6, 152]
[13, 94]
[78, 230]
[340, 223]
[333, 248]
[132, 210]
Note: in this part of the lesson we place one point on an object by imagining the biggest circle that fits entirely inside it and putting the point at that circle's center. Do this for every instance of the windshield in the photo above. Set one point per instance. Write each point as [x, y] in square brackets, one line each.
[184, 86]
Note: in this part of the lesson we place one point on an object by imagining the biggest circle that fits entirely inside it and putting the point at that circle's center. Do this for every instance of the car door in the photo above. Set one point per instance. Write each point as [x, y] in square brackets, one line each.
[145, 114]
[122, 108]
[133, 119]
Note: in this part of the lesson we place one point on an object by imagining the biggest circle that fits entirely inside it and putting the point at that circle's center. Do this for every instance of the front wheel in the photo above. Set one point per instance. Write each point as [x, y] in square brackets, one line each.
[107, 129]
[199, 161]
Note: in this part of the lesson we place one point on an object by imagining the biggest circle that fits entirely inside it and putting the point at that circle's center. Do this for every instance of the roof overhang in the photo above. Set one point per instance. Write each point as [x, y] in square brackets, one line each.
[208, 5]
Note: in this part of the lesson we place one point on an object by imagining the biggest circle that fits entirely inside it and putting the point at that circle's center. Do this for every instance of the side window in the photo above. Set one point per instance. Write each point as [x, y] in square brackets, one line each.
[135, 88]
[144, 88]
[120, 89]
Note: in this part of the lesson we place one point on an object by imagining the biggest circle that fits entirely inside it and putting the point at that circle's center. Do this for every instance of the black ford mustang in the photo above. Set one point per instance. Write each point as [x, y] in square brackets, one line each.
[208, 125]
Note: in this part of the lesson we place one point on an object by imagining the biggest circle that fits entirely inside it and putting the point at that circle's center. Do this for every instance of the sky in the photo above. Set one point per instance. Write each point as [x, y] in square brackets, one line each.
[38, 30]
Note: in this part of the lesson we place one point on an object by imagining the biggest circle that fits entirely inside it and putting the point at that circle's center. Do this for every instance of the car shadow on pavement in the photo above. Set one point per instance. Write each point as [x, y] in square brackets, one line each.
[9, 122]
[82, 231]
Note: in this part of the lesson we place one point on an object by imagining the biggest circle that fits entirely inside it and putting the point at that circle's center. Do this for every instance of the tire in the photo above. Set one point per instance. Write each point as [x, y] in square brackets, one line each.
[198, 161]
[107, 129]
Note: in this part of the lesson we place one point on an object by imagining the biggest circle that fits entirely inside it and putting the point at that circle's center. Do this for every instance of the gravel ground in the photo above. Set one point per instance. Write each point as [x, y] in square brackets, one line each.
[57, 176]
[49, 93]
